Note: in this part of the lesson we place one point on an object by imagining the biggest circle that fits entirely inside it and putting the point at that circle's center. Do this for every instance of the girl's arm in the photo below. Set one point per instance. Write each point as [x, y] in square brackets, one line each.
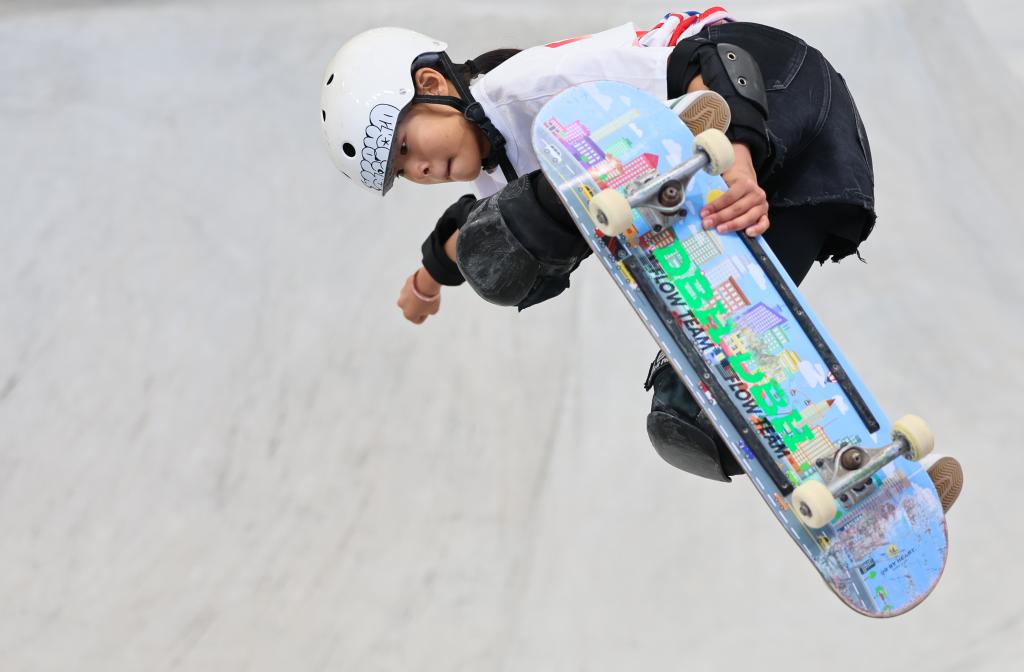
[744, 207]
[420, 296]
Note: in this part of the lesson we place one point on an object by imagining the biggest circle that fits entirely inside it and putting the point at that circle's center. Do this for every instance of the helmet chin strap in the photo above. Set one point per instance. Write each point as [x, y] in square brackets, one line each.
[474, 113]
[471, 110]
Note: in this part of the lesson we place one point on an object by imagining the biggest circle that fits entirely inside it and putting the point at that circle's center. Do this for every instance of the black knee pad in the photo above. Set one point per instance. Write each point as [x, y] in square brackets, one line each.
[494, 263]
[685, 446]
[681, 432]
[512, 249]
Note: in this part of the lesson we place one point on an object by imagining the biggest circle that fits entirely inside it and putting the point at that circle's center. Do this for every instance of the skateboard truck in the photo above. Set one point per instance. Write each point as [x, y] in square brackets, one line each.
[661, 198]
[847, 475]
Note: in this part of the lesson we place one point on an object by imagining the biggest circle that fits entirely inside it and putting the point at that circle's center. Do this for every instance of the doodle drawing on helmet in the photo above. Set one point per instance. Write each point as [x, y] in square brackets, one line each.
[366, 87]
[377, 144]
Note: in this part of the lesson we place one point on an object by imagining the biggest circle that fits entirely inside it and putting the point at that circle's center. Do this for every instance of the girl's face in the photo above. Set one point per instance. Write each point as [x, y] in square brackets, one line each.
[435, 142]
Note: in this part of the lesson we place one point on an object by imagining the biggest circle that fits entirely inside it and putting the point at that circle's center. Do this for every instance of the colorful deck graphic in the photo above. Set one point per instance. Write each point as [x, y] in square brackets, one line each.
[882, 555]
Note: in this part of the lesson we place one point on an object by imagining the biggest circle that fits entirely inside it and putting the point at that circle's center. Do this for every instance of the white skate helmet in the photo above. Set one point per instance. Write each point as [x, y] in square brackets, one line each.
[365, 88]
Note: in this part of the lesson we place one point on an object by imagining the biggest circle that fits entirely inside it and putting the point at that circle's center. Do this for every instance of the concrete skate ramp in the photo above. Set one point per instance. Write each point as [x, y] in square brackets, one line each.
[222, 448]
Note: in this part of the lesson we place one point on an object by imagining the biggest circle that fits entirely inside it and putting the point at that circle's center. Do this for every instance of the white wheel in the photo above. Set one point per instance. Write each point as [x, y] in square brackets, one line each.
[814, 504]
[718, 148]
[917, 433]
[611, 212]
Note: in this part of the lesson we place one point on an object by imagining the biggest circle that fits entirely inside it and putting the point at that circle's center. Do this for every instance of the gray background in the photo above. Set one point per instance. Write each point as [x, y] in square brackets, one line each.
[222, 448]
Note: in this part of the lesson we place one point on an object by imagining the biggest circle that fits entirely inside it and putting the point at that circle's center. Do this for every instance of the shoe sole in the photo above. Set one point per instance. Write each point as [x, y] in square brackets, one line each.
[948, 477]
[704, 113]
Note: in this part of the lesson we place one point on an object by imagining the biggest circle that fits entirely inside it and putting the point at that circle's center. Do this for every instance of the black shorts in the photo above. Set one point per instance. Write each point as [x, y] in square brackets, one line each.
[820, 150]
[800, 235]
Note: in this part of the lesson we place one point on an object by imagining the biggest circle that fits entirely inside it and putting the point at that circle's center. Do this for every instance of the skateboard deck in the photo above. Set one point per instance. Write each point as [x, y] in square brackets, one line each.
[750, 350]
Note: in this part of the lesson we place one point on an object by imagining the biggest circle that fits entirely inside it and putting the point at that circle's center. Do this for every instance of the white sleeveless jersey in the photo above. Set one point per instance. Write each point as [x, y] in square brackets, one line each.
[513, 93]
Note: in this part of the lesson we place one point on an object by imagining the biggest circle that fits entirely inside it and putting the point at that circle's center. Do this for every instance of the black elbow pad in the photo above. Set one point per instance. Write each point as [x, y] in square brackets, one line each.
[732, 72]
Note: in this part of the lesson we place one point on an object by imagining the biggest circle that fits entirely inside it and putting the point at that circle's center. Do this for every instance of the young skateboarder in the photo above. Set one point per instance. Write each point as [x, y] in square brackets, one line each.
[394, 105]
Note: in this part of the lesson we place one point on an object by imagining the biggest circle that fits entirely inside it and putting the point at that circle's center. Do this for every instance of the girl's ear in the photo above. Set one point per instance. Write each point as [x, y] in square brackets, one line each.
[430, 82]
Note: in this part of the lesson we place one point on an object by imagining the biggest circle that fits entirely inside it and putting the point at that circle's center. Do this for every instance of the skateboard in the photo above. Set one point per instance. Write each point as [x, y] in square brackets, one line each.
[842, 479]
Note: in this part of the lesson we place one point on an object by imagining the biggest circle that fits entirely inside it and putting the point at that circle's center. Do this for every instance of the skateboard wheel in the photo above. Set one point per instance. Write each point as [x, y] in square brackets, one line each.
[611, 212]
[718, 149]
[814, 504]
[917, 433]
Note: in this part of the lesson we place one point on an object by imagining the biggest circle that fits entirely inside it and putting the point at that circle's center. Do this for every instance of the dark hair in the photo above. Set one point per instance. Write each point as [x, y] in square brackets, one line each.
[482, 64]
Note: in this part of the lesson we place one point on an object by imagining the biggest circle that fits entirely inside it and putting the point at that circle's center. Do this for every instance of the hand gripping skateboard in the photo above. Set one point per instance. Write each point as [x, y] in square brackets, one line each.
[841, 478]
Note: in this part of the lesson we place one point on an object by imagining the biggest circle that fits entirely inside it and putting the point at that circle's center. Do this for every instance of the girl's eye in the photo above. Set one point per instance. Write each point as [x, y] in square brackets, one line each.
[403, 150]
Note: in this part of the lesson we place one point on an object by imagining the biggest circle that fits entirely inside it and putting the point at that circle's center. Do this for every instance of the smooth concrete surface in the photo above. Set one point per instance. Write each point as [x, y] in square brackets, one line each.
[222, 448]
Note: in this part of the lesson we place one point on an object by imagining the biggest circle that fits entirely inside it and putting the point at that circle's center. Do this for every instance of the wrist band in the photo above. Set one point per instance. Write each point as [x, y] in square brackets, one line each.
[419, 295]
